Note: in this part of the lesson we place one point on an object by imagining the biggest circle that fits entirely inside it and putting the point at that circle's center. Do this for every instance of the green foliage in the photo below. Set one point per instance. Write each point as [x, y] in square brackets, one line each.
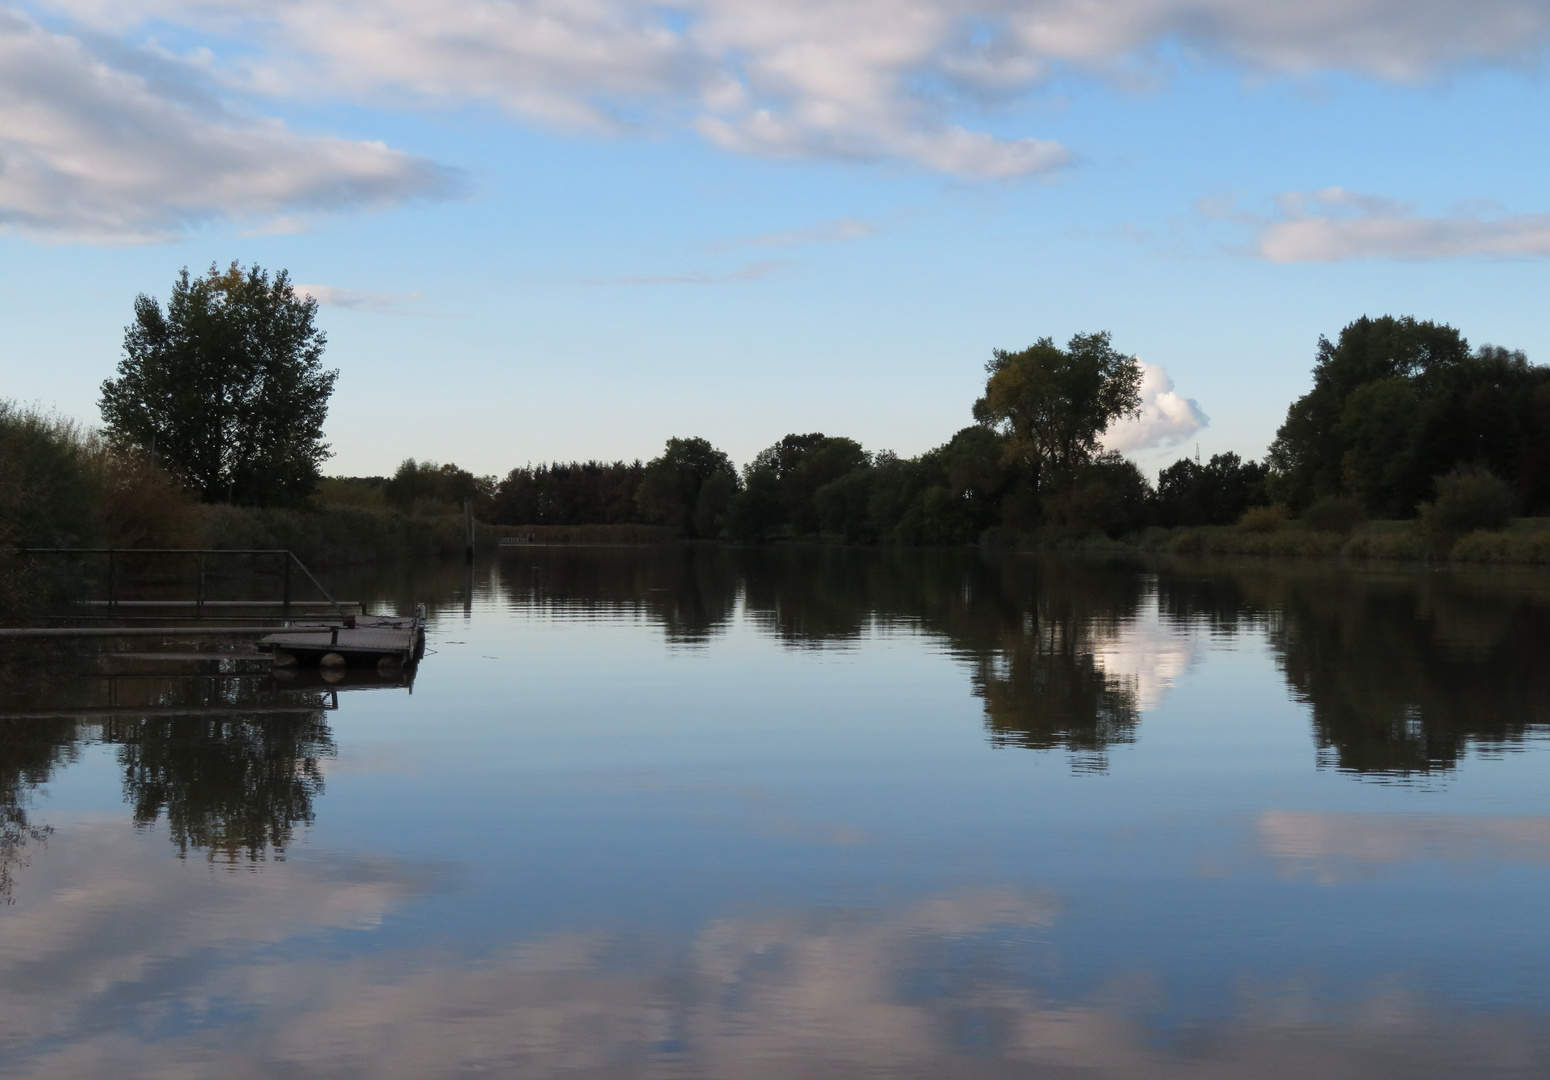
[1333, 513]
[1467, 499]
[1263, 519]
[1307, 457]
[783, 482]
[1401, 432]
[1108, 495]
[63, 487]
[51, 487]
[1216, 493]
[688, 488]
[424, 487]
[1053, 404]
[226, 388]
[365, 492]
[332, 536]
[1397, 402]
[578, 493]
[52, 481]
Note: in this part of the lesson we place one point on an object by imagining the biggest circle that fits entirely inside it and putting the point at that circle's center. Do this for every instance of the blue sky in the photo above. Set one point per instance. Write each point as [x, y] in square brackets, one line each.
[551, 229]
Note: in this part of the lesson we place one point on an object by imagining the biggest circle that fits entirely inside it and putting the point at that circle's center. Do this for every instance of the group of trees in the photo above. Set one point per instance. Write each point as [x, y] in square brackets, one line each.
[1398, 403]
[225, 390]
[1032, 460]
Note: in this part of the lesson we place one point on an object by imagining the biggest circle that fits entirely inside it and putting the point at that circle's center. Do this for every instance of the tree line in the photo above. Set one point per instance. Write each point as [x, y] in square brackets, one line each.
[225, 391]
[1401, 411]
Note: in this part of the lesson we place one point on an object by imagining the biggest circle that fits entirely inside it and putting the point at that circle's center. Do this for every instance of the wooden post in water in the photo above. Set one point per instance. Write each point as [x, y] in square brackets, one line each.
[468, 528]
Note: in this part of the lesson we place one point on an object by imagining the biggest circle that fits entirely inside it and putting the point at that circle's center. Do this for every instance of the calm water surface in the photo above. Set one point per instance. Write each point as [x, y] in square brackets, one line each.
[710, 813]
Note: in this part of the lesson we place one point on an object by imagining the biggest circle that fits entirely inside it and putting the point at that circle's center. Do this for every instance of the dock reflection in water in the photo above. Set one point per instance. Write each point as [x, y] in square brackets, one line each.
[788, 813]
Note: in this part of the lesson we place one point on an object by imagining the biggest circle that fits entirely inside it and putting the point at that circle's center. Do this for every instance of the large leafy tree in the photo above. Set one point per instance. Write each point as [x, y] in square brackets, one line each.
[1397, 403]
[688, 487]
[1053, 404]
[1216, 493]
[795, 468]
[226, 386]
[1369, 376]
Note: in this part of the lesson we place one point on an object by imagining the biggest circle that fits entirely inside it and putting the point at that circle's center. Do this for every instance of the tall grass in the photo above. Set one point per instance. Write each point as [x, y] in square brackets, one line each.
[1523, 542]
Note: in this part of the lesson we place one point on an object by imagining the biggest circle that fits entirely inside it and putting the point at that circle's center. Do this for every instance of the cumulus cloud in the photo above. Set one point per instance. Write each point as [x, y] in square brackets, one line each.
[1165, 418]
[1335, 224]
[860, 80]
[94, 146]
[126, 146]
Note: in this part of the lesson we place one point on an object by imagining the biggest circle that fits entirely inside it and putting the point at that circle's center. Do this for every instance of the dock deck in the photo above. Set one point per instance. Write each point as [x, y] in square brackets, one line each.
[361, 639]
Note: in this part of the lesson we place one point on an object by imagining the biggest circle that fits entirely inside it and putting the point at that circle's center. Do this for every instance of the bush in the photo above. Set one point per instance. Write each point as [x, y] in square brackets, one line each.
[1467, 500]
[143, 507]
[1333, 513]
[367, 492]
[1263, 519]
[1502, 547]
[1405, 544]
[51, 484]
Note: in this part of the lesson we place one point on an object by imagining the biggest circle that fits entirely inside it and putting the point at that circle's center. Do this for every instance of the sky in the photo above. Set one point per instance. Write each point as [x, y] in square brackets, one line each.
[566, 229]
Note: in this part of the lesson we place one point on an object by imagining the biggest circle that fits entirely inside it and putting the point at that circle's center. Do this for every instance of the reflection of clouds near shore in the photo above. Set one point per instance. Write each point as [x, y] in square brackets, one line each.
[104, 923]
[1333, 846]
[936, 987]
[1144, 653]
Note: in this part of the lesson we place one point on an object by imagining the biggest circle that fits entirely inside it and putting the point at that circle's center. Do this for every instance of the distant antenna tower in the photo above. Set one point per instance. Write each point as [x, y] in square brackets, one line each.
[1197, 453]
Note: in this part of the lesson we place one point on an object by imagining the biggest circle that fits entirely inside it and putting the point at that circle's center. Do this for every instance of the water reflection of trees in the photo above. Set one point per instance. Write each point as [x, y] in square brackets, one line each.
[29, 753]
[233, 763]
[1404, 670]
[1028, 629]
[234, 785]
[690, 592]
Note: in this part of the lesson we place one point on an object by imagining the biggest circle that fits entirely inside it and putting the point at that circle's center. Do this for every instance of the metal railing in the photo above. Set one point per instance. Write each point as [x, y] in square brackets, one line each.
[115, 556]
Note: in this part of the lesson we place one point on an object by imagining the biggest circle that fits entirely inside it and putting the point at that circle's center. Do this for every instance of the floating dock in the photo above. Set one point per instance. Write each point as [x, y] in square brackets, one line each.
[355, 640]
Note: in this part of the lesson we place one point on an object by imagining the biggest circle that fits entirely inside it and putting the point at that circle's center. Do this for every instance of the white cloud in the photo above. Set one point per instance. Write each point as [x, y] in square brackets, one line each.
[861, 79]
[104, 147]
[1335, 224]
[359, 299]
[1165, 418]
[123, 146]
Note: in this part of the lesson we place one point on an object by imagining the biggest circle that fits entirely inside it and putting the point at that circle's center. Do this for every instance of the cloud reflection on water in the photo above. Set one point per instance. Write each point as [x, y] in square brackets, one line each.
[944, 986]
[1334, 846]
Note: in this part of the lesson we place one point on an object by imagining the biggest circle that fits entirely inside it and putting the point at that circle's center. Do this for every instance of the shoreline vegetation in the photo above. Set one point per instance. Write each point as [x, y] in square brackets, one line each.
[1409, 446]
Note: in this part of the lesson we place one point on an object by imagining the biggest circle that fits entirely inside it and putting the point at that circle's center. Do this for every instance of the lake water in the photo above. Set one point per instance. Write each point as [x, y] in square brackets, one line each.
[805, 813]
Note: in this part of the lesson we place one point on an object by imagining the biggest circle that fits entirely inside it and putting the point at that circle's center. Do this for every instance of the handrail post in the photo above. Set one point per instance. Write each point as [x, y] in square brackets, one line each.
[199, 594]
[112, 580]
[285, 604]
